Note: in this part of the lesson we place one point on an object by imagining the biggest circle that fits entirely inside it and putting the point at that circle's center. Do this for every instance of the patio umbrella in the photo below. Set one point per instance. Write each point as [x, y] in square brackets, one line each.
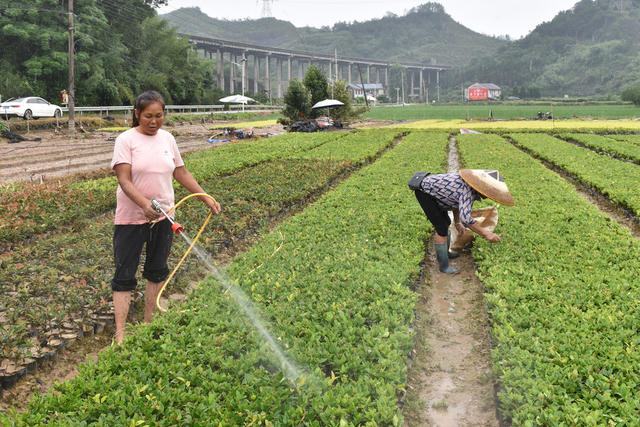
[327, 103]
[237, 99]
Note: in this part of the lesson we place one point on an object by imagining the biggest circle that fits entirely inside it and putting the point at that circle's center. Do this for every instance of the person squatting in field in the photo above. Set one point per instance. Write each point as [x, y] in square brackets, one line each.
[145, 159]
[438, 194]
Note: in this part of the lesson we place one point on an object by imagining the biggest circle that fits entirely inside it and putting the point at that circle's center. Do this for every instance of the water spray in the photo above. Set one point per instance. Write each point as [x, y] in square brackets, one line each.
[244, 303]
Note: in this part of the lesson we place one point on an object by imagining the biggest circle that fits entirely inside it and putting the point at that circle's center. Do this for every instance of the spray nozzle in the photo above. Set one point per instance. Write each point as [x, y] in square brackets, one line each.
[156, 205]
[177, 228]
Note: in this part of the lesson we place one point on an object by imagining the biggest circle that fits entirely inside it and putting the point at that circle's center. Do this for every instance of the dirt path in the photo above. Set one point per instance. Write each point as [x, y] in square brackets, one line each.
[450, 381]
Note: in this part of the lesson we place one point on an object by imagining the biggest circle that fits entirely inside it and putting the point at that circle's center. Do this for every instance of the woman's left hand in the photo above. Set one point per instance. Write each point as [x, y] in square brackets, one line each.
[459, 228]
[213, 205]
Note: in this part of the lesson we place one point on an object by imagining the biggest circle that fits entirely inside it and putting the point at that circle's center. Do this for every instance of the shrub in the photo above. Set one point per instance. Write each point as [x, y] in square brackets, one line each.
[297, 101]
[341, 93]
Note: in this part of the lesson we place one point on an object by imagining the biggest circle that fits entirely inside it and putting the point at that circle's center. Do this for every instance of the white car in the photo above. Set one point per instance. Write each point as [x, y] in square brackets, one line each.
[30, 107]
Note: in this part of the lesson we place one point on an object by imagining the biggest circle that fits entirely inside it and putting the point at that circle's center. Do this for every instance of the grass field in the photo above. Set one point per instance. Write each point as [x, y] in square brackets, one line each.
[505, 111]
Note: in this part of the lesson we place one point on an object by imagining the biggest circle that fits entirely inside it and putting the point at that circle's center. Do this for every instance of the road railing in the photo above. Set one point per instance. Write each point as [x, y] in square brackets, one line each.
[191, 109]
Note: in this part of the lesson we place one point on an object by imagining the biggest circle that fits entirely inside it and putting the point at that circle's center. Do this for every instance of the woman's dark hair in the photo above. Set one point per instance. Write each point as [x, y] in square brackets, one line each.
[143, 101]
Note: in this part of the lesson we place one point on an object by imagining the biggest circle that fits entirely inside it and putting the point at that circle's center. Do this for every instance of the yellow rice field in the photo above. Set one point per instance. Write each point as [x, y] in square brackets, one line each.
[243, 125]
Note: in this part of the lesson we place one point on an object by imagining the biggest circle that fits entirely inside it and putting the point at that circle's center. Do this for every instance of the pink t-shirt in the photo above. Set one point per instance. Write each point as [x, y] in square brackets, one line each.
[153, 158]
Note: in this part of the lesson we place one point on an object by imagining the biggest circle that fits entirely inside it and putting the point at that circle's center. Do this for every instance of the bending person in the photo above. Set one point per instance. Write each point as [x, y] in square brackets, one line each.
[145, 159]
[438, 194]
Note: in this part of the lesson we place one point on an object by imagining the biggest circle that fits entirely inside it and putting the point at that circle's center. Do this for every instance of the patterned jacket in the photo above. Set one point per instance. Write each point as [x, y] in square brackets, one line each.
[451, 192]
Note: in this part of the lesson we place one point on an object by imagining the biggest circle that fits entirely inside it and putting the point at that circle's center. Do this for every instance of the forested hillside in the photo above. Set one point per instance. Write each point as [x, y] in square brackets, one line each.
[426, 34]
[592, 49]
[121, 48]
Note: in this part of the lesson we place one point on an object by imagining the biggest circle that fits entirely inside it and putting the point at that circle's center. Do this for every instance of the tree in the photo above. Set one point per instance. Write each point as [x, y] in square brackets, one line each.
[34, 36]
[297, 101]
[341, 93]
[316, 83]
[121, 48]
[632, 94]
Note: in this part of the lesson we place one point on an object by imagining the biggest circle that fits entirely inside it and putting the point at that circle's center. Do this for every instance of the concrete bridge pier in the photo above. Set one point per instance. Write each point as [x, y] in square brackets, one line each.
[256, 74]
[232, 74]
[278, 77]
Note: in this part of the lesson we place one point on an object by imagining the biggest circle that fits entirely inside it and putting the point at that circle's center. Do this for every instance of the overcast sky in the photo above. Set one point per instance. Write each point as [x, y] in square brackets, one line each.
[516, 18]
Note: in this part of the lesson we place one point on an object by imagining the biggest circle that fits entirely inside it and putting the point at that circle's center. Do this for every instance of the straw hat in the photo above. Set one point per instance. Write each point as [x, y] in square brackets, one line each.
[489, 183]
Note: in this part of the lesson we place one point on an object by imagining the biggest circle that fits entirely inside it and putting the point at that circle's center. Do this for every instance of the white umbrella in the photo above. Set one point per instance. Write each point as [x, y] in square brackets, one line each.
[327, 103]
[236, 99]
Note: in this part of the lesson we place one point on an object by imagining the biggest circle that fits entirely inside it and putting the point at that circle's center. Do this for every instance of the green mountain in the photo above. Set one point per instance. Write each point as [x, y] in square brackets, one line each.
[592, 49]
[426, 34]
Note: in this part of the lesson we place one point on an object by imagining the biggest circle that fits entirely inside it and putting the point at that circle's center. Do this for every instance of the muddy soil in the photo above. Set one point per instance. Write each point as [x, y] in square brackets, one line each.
[58, 154]
[63, 367]
[451, 382]
[370, 123]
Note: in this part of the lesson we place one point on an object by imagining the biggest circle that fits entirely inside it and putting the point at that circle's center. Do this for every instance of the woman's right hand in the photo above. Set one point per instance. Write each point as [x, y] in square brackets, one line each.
[492, 237]
[150, 213]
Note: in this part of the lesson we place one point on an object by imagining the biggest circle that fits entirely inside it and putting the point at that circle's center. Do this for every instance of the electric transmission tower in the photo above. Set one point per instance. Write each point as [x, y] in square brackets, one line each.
[266, 8]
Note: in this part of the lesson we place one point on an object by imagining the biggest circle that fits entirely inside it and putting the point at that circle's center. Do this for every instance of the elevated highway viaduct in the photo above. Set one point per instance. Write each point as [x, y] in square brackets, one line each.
[268, 70]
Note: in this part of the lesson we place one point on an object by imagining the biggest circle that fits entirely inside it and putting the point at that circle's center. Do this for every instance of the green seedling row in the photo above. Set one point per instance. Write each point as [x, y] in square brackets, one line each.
[634, 139]
[335, 296]
[231, 157]
[613, 178]
[606, 144]
[563, 288]
[360, 146]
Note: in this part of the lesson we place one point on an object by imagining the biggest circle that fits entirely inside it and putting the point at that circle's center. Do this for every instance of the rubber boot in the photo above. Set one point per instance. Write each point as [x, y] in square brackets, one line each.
[443, 259]
[452, 254]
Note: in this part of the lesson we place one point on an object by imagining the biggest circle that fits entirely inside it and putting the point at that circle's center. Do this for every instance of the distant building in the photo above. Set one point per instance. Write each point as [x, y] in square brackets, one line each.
[374, 89]
[483, 92]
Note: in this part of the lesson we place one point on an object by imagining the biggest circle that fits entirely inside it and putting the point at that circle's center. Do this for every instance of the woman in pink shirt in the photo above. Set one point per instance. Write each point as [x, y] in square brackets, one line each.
[145, 159]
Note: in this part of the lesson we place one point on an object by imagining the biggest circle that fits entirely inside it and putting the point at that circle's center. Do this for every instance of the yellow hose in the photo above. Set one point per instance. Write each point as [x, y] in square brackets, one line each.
[164, 285]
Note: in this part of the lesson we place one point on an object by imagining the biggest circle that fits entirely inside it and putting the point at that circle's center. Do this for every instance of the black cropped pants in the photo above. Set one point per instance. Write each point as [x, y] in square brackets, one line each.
[437, 216]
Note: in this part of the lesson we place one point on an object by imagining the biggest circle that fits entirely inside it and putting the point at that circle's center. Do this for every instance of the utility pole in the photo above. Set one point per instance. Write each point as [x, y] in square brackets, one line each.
[72, 93]
[366, 101]
[244, 69]
[402, 78]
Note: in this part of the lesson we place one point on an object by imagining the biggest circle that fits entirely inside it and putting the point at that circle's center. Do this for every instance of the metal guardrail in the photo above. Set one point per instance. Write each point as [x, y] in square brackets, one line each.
[194, 109]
